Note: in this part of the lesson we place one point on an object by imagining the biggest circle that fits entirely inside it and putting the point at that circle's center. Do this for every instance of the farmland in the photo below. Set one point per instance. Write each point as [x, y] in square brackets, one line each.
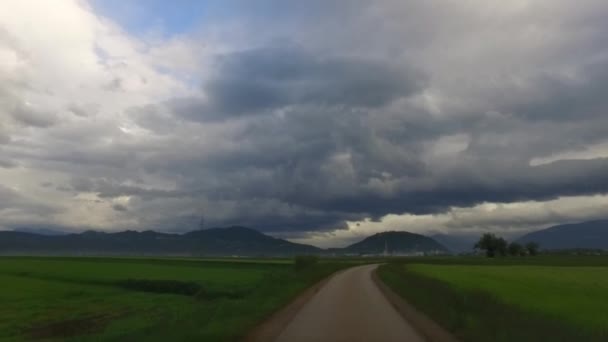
[115, 299]
[523, 299]
[154, 299]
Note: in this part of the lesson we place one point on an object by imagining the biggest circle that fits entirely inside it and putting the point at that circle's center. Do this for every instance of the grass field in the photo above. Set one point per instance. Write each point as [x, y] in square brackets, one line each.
[509, 299]
[92, 299]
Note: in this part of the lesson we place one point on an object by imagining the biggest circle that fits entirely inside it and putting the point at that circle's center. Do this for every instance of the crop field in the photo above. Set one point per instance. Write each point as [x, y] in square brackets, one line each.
[569, 293]
[508, 299]
[84, 299]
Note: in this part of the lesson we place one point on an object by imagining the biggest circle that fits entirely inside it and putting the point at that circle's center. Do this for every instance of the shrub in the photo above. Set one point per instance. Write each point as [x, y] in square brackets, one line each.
[516, 249]
[532, 248]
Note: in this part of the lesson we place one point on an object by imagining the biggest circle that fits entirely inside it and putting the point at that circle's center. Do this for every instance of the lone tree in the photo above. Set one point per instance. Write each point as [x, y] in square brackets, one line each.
[492, 245]
[516, 249]
[501, 246]
[532, 247]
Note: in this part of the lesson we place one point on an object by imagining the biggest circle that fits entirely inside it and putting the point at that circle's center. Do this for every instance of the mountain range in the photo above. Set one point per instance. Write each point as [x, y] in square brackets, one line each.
[244, 241]
[228, 241]
[585, 235]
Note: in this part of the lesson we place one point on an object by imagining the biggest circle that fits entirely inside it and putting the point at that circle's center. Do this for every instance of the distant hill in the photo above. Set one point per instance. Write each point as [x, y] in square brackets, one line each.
[40, 231]
[228, 241]
[213, 242]
[588, 235]
[396, 243]
[456, 243]
[245, 241]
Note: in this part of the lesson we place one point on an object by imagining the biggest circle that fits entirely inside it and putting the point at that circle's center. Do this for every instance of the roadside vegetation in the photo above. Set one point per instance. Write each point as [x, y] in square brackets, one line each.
[92, 299]
[557, 298]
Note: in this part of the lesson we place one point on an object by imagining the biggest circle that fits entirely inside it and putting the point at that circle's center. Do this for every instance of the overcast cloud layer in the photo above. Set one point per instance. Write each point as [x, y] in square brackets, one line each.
[317, 121]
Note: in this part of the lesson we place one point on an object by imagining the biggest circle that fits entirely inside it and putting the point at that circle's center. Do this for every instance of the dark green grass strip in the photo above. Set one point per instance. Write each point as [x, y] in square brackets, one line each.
[185, 288]
[478, 316]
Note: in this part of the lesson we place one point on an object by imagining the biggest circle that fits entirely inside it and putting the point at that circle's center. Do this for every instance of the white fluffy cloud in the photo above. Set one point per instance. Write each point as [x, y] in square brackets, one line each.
[68, 76]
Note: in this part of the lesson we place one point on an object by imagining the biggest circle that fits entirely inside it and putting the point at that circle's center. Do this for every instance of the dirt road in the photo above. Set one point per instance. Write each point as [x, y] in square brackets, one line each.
[350, 307]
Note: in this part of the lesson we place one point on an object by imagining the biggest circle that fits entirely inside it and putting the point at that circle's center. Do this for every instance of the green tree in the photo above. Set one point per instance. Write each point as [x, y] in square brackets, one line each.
[516, 249]
[492, 245]
[532, 247]
[501, 246]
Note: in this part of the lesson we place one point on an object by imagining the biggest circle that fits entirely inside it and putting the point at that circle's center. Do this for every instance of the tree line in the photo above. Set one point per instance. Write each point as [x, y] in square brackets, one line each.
[493, 246]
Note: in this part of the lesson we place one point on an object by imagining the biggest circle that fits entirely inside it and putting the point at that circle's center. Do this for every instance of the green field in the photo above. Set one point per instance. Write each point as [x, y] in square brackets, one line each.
[118, 299]
[509, 299]
[84, 299]
[568, 293]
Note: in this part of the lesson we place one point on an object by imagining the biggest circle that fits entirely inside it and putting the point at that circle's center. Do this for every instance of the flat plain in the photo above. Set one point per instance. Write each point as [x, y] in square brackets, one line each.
[560, 298]
[84, 299]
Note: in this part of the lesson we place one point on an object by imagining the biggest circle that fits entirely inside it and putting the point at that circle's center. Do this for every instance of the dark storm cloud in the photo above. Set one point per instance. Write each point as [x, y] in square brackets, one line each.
[430, 193]
[340, 150]
[119, 207]
[258, 80]
[471, 185]
[554, 97]
[332, 166]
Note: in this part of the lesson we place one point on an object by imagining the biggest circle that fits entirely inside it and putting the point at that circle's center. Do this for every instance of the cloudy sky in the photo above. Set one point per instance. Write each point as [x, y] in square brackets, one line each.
[319, 121]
